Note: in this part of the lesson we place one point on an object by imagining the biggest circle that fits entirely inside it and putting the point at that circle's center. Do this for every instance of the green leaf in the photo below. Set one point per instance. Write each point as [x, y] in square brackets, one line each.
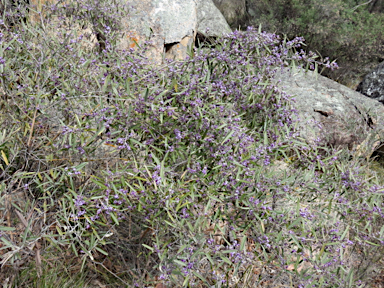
[345, 233]
[148, 247]
[228, 136]
[242, 244]
[114, 218]
[209, 258]
[4, 228]
[350, 276]
[226, 260]
[182, 248]
[374, 244]
[186, 280]
[293, 237]
[229, 251]
[106, 83]
[59, 230]
[200, 276]
[6, 242]
[180, 262]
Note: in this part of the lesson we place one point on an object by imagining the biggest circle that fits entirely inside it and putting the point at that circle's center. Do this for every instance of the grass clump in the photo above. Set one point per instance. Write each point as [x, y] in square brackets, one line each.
[187, 174]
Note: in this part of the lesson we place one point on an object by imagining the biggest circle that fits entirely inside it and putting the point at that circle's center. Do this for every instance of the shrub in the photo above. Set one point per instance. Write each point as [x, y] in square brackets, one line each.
[191, 173]
[339, 29]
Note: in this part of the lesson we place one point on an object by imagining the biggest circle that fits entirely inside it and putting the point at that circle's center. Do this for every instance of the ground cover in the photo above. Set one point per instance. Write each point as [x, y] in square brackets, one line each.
[189, 174]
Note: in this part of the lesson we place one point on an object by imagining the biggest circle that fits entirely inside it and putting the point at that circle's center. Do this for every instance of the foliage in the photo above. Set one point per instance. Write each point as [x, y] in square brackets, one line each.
[340, 29]
[190, 173]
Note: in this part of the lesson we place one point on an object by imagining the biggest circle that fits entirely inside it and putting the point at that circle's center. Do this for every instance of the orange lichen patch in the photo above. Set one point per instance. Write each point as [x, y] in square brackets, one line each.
[186, 41]
[133, 39]
[178, 51]
[134, 44]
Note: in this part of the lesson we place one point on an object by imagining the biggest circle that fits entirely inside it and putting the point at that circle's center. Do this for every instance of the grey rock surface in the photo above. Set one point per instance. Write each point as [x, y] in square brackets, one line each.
[232, 10]
[162, 22]
[170, 25]
[209, 16]
[329, 111]
[373, 84]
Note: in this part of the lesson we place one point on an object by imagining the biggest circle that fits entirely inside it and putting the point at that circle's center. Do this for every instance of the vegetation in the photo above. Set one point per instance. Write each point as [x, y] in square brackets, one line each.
[188, 174]
[347, 30]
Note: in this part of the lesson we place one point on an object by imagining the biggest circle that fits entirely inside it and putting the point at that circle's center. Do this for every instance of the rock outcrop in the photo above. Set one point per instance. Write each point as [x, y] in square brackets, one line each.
[169, 26]
[331, 112]
[232, 10]
[373, 84]
[210, 18]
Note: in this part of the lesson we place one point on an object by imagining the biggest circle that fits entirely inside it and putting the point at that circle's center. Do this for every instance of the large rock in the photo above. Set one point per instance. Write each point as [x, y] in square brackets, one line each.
[232, 10]
[373, 84]
[170, 26]
[331, 112]
[209, 17]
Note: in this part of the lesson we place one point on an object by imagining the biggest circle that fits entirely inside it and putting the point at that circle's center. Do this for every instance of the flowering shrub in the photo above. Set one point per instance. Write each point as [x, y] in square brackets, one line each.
[190, 173]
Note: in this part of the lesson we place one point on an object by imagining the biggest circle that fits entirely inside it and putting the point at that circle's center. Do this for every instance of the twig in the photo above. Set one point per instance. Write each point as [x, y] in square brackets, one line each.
[31, 131]
[354, 8]
[115, 275]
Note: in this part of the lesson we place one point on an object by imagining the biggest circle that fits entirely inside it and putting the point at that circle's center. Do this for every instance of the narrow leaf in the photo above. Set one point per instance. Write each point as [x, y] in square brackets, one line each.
[4, 157]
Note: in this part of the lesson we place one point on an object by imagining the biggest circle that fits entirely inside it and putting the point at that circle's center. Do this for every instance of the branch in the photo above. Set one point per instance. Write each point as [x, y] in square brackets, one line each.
[354, 8]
